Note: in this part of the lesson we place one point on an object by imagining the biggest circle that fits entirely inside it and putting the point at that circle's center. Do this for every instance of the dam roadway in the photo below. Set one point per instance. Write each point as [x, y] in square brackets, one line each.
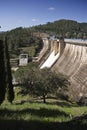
[73, 63]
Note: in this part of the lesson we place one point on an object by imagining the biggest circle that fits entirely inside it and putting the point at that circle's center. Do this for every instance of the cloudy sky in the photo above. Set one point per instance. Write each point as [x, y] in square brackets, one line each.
[27, 13]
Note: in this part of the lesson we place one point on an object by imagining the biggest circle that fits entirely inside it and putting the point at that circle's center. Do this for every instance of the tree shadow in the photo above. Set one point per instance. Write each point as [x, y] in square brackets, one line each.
[42, 112]
[62, 103]
[20, 124]
[37, 125]
[66, 104]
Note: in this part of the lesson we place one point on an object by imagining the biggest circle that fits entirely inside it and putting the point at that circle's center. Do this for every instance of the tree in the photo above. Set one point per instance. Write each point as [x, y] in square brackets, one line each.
[84, 36]
[41, 82]
[9, 85]
[2, 73]
[6, 86]
[20, 38]
[68, 35]
[80, 35]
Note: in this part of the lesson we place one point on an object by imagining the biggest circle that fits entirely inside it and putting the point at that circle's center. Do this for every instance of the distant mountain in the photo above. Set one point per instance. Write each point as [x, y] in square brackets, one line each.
[67, 28]
[63, 27]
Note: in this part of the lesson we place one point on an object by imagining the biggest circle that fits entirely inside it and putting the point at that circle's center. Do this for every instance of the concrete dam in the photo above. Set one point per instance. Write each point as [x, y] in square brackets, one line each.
[68, 57]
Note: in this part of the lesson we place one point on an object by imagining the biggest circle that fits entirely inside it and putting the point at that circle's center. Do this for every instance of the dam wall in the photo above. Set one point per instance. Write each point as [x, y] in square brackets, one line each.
[44, 52]
[57, 48]
[73, 63]
[69, 57]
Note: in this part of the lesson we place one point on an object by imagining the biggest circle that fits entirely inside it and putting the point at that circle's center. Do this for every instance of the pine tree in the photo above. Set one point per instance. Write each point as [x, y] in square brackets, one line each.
[2, 72]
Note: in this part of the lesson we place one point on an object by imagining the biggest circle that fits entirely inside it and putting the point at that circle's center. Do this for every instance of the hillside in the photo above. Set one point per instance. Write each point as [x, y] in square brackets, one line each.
[67, 28]
[22, 40]
[24, 37]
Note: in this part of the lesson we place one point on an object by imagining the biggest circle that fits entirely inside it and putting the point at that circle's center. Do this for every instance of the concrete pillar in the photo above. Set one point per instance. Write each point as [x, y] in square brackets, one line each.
[61, 45]
[52, 45]
[56, 46]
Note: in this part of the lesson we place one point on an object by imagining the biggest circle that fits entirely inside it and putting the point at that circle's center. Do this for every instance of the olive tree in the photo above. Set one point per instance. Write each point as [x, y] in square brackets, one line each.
[40, 82]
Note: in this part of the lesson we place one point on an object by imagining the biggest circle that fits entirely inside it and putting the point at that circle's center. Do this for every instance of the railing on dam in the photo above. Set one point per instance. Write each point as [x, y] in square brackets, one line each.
[58, 46]
[80, 42]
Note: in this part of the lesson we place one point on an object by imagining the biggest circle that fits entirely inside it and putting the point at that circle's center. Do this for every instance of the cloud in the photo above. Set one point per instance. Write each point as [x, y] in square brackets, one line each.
[51, 8]
[35, 20]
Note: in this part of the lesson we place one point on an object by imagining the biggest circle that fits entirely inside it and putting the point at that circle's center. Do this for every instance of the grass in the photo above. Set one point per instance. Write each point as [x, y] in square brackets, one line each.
[28, 113]
[33, 111]
[40, 112]
[29, 50]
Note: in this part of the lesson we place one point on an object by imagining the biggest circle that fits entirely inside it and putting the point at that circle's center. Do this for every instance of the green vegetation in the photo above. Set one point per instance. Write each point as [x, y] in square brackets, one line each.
[40, 82]
[66, 28]
[44, 112]
[30, 113]
[2, 72]
[6, 87]
[37, 104]
[9, 85]
[29, 50]
[20, 38]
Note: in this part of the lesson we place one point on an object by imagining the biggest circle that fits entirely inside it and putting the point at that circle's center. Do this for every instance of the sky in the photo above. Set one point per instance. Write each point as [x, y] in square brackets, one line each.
[28, 13]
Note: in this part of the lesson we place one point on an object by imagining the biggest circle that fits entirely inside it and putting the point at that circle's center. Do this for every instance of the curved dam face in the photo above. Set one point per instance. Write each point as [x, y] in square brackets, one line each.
[45, 50]
[69, 57]
[56, 51]
[73, 63]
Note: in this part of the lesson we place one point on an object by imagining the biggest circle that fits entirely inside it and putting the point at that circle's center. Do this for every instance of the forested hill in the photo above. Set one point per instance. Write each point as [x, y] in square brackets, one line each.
[66, 28]
[20, 39]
